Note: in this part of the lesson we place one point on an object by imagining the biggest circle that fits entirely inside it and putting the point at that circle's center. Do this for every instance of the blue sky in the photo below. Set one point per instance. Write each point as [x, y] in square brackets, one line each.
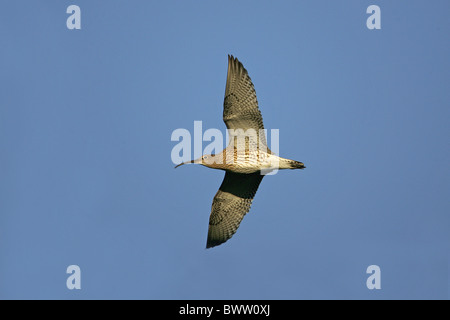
[86, 176]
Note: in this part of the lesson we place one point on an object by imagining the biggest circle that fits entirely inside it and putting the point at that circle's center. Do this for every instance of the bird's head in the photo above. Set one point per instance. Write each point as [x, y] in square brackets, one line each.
[206, 160]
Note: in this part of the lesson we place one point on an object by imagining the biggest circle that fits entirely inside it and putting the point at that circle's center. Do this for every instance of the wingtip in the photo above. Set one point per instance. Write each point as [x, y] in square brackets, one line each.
[232, 58]
[210, 246]
[211, 242]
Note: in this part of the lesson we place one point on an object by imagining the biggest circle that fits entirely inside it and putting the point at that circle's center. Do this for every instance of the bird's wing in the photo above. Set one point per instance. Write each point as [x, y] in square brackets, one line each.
[230, 204]
[240, 106]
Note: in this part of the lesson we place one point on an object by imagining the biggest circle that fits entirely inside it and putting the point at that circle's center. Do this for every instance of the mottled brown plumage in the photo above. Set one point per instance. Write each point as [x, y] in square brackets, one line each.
[244, 159]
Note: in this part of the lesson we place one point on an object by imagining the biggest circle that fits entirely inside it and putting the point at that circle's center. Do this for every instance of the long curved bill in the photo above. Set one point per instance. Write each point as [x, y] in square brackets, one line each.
[191, 161]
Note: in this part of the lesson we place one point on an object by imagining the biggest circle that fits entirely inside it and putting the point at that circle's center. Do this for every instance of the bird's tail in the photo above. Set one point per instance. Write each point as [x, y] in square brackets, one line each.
[296, 164]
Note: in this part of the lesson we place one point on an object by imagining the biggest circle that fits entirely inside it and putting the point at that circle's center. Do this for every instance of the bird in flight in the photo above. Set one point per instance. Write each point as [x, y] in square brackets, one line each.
[245, 160]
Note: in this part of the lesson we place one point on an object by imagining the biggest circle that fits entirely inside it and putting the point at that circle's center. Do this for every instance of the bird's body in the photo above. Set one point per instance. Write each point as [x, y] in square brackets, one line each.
[231, 159]
[245, 159]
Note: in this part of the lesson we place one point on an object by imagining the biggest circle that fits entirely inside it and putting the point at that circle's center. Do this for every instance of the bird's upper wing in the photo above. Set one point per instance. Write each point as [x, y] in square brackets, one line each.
[240, 106]
[230, 204]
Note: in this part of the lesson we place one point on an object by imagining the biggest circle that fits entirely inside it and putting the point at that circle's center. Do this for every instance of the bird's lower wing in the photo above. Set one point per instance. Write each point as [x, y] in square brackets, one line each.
[230, 204]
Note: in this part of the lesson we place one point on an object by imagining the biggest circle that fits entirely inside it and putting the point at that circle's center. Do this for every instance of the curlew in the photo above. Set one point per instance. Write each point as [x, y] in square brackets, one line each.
[245, 160]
